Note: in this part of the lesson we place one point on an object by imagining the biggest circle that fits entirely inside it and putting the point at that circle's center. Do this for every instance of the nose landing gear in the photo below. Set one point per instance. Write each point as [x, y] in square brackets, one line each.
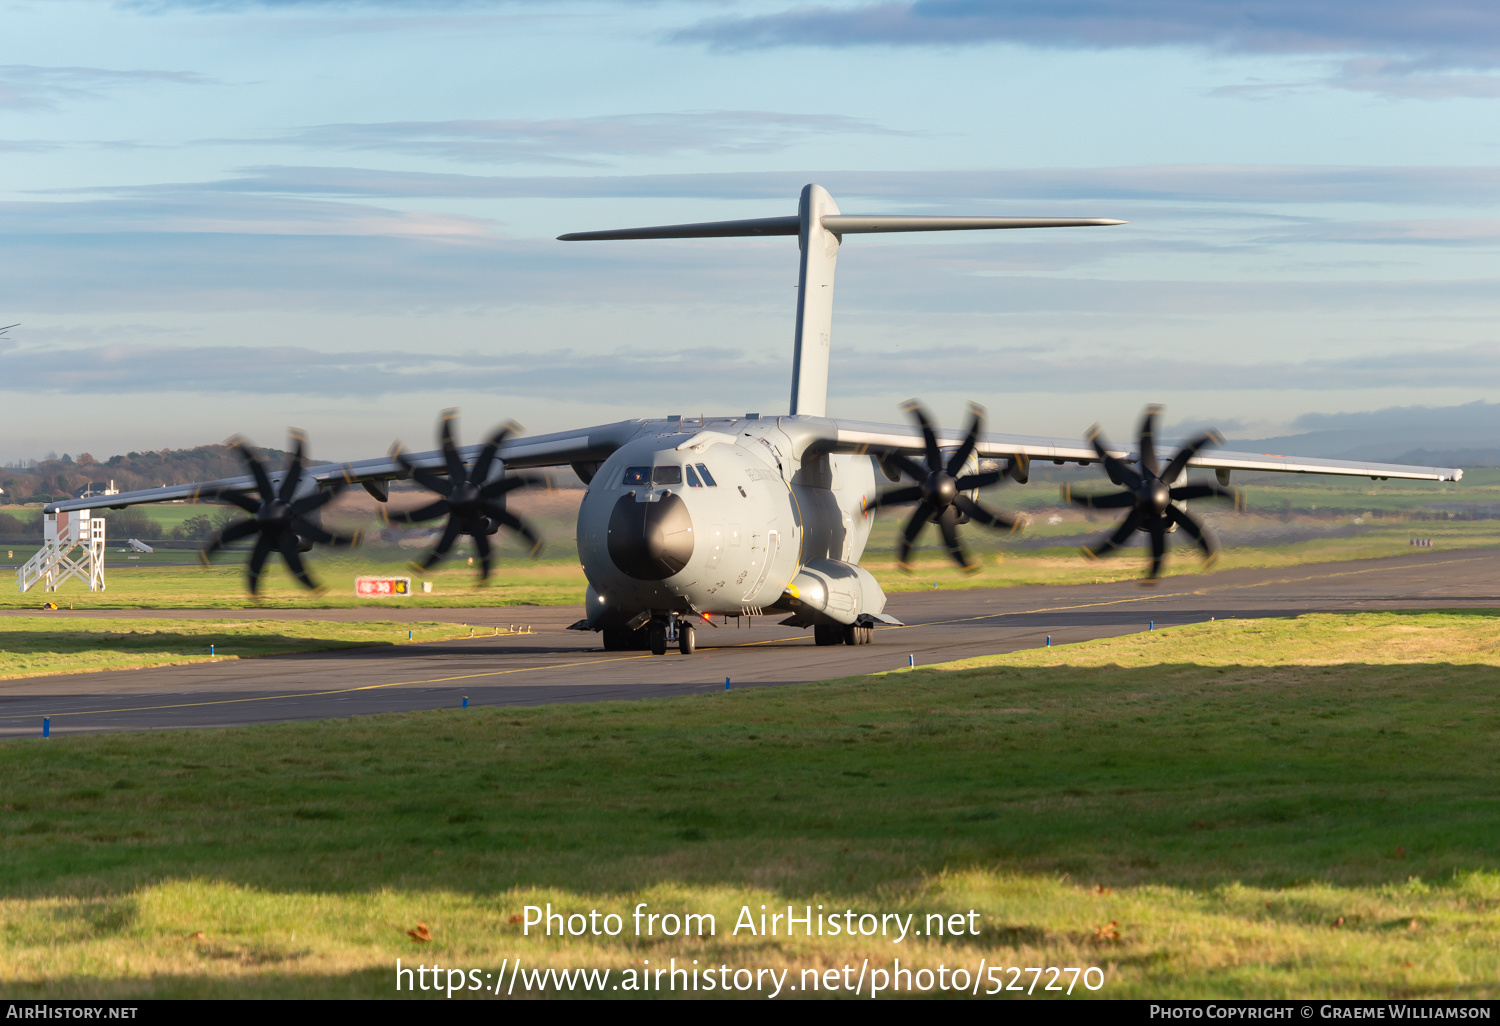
[669, 630]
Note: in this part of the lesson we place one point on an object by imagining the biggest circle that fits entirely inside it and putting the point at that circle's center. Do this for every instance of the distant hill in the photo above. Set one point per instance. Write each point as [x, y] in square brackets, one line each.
[62, 478]
[1450, 436]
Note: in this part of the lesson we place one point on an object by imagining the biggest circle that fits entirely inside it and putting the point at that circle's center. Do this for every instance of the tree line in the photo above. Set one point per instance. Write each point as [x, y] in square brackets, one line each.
[25, 527]
[62, 477]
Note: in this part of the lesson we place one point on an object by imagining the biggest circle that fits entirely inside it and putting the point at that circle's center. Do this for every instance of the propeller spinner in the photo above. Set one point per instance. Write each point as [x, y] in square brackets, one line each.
[940, 491]
[1149, 495]
[474, 505]
[281, 521]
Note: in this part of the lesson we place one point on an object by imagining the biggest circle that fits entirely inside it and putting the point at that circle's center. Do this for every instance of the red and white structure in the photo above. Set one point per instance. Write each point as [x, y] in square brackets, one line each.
[64, 533]
[382, 587]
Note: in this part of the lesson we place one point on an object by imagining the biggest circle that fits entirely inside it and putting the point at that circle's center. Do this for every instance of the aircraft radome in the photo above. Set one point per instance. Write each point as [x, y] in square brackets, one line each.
[685, 520]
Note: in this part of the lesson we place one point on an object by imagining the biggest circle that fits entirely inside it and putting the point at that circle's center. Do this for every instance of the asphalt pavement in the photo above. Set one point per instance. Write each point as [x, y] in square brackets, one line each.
[552, 664]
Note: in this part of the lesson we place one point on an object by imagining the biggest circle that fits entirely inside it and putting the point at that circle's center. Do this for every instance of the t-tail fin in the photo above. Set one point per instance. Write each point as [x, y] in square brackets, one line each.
[820, 228]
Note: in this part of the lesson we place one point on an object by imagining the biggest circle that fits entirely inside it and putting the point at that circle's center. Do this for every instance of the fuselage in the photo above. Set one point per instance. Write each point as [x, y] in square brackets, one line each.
[717, 516]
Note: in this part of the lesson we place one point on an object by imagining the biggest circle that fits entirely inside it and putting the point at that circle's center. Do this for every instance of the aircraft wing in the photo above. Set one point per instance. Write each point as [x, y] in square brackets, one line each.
[860, 436]
[560, 448]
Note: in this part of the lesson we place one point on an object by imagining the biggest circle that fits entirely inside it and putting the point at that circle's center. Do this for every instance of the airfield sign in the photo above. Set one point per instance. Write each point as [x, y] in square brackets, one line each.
[382, 587]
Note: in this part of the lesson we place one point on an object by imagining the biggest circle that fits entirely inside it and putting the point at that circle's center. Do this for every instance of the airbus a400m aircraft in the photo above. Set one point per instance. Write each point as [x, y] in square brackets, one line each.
[688, 520]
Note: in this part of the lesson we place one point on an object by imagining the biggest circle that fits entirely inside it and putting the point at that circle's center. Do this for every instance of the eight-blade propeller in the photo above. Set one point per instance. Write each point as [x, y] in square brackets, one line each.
[940, 491]
[1149, 495]
[474, 505]
[282, 521]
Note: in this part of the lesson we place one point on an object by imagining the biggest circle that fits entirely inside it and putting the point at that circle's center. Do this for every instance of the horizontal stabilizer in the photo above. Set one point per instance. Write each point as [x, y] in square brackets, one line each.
[703, 230]
[838, 224]
[866, 224]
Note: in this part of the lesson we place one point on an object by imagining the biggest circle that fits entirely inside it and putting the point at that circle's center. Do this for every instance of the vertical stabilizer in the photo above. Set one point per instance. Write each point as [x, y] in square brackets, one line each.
[820, 228]
[810, 343]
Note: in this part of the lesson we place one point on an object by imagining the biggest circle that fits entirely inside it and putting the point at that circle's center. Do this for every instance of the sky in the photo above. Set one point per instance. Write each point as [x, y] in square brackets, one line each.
[231, 216]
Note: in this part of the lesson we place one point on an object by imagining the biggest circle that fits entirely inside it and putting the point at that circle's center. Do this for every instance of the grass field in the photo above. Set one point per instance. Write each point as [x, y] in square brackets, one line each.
[35, 646]
[1292, 521]
[518, 581]
[1281, 546]
[1241, 808]
[560, 580]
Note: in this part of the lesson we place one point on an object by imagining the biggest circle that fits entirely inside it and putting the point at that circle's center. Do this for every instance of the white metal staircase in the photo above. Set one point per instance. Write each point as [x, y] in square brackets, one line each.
[62, 534]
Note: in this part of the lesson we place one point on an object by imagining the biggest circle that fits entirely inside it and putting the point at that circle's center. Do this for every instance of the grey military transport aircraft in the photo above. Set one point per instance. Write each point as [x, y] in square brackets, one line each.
[685, 521]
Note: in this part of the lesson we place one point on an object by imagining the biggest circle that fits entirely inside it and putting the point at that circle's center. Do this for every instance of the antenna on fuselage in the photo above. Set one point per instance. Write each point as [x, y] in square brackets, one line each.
[820, 228]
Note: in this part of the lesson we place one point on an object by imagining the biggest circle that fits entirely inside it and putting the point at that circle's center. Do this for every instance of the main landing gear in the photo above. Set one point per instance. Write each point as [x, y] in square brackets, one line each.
[843, 634]
[655, 637]
[673, 631]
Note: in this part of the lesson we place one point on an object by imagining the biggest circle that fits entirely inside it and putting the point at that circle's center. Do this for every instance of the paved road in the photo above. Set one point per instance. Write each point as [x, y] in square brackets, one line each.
[556, 665]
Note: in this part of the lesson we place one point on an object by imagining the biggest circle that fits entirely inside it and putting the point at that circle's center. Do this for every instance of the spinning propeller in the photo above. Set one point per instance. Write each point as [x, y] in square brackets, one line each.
[1149, 495]
[475, 506]
[940, 493]
[282, 521]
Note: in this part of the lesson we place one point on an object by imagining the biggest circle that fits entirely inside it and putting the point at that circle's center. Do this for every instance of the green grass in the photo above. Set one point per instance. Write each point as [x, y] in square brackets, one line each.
[1000, 567]
[148, 584]
[32, 646]
[1265, 493]
[546, 582]
[1254, 814]
[1292, 520]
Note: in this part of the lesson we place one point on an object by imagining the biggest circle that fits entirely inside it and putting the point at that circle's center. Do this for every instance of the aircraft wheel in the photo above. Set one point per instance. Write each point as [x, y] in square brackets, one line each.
[658, 638]
[828, 635]
[687, 638]
[851, 634]
[615, 640]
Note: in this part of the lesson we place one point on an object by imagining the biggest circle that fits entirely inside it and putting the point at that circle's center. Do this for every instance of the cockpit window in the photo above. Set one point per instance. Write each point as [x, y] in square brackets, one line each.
[637, 476]
[692, 476]
[667, 475]
[708, 478]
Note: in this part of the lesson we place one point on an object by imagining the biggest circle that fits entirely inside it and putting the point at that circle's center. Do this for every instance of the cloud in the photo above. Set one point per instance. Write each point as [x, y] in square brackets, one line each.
[1412, 80]
[181, 251]
[202, 250]
[282, 370]
[606, 376]
[26, 146]
[236, 6]
[1425, 39]
[384, 184]
[586, 141]
[173, 211]
[29, 87]
[321, 238]
[1028, 368]
[1430, 232]
[1466, 27]
[912, 191]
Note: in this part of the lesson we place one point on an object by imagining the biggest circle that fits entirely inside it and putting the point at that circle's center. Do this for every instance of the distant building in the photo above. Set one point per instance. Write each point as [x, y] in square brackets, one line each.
[96, 488]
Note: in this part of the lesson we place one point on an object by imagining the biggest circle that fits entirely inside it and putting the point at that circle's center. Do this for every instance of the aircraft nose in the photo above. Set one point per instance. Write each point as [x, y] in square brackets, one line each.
[650, 541]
